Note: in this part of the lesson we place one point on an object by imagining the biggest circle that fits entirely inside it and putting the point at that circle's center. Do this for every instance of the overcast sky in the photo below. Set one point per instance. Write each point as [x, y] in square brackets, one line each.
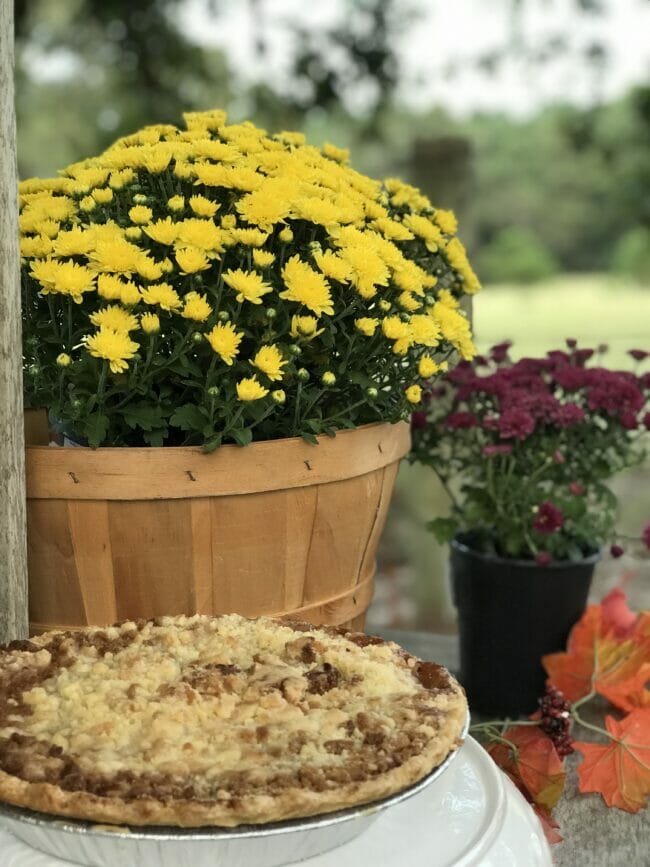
[448, 32]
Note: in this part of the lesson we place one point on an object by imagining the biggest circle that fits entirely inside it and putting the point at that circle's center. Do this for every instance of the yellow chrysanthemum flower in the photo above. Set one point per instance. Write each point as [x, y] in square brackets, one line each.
[196, 307]
[248, 285]
[133, 233]
[203, 207]
[367, 270]
[229, 221]
[150, 323]
[148, 269]
[332, 265]
[399, 331]
[427, 367]
[366, 325]
[49, 228]
[457, 258]
[65, 278]
[87, 204]
[63, 360]
[110, 287]
[269, 360]
[74, 242]
[407, 302]
[115, 256]
[455, 328]
[162, 231]
[35, 247]
[446, 220]
[392, 230]
[286, 235]
[140, 214]
[225, 340]
[264, 207]
[263, 258]
[103, 195]
[130, 294]
[176, 203]
[114, 318]
[249, 237]
[341, 155]
[424, 330]
[192, 260]
[162, 294]
[250, 389]
[425, 229]
[202, 234]
[113, 346]
[118, 180]
[305, 327]
[414, 394]
[305, 286]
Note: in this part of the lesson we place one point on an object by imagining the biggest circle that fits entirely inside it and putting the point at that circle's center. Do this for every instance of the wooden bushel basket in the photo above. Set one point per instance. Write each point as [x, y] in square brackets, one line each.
[279, 528]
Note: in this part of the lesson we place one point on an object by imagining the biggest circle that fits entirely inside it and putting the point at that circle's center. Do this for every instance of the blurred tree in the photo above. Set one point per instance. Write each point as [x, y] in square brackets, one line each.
[516, 255]
[632, 254]
[115, 65]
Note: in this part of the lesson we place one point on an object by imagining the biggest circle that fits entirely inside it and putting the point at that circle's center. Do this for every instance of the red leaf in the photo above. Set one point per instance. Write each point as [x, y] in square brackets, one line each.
[616, 616]
[549, 825]
[533, 765]
[620, 770]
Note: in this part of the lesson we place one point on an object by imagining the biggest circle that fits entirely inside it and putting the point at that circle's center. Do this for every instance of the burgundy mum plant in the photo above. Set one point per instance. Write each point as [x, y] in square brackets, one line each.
[525, 449]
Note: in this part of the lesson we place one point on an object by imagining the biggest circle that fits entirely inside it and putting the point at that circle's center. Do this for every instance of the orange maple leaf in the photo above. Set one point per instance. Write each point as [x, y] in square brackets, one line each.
[596, 658]
[620, 770]
[533, 764]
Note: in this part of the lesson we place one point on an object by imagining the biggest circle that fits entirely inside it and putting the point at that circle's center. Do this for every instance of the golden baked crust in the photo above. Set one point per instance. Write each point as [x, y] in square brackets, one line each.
[194, 721]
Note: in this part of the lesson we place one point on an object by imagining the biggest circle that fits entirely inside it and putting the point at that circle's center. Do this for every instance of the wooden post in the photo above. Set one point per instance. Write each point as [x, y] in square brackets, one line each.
[13, 552]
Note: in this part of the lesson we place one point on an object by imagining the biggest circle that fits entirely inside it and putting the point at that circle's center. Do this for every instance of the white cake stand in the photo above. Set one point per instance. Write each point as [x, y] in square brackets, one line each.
[472, 815]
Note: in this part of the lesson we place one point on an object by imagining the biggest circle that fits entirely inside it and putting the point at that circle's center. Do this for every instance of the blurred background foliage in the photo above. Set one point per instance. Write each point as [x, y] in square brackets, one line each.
[554, 202]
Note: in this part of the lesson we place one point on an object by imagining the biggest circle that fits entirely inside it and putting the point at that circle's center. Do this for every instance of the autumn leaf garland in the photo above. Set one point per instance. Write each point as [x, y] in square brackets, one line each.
[607, 655]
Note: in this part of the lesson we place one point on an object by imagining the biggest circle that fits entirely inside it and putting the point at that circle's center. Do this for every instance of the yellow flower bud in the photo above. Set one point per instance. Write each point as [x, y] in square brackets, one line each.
[63, 360]
[414, 394]
[286, 235]
[328, 378]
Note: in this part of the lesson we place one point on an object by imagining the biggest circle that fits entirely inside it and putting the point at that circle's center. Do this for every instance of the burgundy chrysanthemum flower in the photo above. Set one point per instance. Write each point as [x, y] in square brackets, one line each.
[638, 354]
[516, 424]
[543, 558]
[645, 536]
[628, 419]
[499, 352]
[568, 414]
[571, 342]
[549, 518]
[502, 449]
[418, 420]
[576, 489]
[461, 420]
[616, 551]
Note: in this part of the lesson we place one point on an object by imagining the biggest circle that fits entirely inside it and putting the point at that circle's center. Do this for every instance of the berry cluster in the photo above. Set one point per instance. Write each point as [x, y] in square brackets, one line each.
[556, 719]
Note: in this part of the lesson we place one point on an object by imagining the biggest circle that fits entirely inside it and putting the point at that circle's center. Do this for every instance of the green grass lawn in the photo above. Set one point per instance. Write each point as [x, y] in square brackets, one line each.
[593, 308]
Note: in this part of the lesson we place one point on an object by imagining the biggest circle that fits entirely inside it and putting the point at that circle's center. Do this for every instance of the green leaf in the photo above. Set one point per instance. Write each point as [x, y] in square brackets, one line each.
[243, 436]
[188, 417]
[212, 445]
[156, 437]
[144, 416]
[444, 529]
[309, 438]
[95, 429]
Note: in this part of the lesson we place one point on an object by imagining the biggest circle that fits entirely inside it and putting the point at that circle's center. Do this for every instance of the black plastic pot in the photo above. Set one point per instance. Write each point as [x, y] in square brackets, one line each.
[511, 613]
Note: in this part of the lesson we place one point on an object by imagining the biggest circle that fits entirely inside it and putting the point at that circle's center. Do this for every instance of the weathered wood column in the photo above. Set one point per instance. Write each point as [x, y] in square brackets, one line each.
[13, 554]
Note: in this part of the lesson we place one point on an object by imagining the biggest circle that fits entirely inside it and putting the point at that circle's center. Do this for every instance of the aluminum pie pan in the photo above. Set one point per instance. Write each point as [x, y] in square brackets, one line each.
[270, 845]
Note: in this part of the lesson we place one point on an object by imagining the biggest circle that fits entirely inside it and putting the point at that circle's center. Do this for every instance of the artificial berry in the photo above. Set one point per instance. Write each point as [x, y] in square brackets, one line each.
[556, 719]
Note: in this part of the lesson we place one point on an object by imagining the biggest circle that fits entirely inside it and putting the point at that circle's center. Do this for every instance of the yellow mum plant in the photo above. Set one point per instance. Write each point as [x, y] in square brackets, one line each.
[218, 284]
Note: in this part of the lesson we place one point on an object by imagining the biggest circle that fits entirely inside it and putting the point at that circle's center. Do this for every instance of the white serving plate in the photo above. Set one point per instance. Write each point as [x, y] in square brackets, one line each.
[469, 816]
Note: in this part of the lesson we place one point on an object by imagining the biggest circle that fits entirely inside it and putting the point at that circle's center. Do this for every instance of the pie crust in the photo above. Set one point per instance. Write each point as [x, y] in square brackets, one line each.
[194, 721]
